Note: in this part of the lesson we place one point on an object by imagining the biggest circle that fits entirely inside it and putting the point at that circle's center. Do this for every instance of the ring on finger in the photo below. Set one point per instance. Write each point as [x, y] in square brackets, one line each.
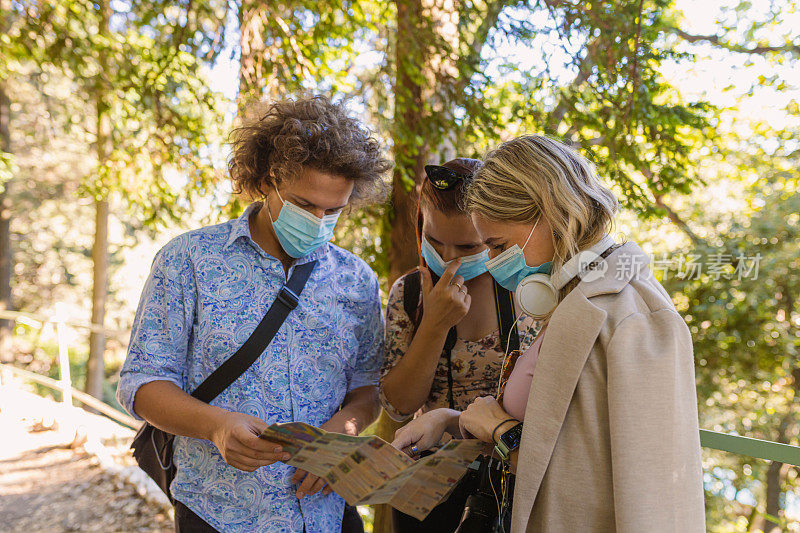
[462, 288]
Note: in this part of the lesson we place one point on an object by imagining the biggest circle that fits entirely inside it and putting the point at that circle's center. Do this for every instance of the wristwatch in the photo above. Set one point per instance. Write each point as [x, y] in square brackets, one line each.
[509, 441]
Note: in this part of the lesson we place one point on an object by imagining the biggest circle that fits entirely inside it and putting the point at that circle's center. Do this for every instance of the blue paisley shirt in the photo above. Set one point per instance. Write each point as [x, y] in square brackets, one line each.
[207, 292]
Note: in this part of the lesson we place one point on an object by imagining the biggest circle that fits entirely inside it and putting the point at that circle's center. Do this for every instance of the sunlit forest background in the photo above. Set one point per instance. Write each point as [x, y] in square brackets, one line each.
[114, 118]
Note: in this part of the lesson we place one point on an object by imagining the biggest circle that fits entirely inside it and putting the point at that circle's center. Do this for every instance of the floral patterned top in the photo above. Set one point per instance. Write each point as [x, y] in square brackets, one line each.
[476, 364]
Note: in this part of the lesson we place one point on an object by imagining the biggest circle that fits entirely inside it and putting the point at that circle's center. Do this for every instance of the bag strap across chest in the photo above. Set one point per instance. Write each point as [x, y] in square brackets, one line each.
[233, 367]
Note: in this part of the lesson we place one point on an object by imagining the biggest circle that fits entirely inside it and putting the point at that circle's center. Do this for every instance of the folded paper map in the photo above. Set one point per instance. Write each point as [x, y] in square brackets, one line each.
[369, 470]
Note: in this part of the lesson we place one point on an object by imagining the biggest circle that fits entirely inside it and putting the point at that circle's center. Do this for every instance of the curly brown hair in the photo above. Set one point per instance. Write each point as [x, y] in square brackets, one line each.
[276, 140]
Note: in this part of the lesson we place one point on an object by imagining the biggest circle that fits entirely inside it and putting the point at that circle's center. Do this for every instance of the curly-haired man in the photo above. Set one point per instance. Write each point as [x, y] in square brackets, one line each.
[306, 160]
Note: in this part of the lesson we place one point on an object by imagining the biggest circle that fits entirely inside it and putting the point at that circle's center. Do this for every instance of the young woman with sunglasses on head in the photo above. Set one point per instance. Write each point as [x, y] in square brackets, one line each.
[599, 420]
[448, 324]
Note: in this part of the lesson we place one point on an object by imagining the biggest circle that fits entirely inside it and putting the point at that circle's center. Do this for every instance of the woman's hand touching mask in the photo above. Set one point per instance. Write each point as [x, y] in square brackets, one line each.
[447, 302]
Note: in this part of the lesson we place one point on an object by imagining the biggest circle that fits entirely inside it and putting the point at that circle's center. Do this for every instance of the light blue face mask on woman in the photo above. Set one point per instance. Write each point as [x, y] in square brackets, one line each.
[300, 232]
[471, 267]
[509, 268]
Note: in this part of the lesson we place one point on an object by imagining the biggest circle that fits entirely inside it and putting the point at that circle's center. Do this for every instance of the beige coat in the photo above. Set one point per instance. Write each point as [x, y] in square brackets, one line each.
[610, 438]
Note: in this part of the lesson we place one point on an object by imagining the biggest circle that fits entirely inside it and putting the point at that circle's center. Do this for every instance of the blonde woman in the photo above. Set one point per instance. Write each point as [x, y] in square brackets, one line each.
[599, 417]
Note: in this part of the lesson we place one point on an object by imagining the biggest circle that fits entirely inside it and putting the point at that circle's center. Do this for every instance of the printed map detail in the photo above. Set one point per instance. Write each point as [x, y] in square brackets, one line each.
[369, 470]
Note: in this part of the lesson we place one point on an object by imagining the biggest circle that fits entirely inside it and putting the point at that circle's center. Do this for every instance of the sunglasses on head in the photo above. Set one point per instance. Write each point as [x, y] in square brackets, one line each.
[443, 178]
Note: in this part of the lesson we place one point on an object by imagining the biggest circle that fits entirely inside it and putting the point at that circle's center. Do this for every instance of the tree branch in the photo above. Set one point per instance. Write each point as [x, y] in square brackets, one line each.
[674, 217]
[635, 78]
[479, 39]
[677, 220]
[718, 41]
[585, 65]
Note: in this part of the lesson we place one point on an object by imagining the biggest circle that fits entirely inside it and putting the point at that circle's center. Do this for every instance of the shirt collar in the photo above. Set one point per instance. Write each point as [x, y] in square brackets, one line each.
[316, 254]
[240, 228]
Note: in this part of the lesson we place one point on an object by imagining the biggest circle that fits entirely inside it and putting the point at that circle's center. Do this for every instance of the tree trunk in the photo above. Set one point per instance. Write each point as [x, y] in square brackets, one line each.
[402, 253]
[777, 471]
[245, 57]
[95, 368]
[260, 79]
[6, 253]
[410, 147]
[410, 157]
[95, 371]
[256, 81]
[6, 267]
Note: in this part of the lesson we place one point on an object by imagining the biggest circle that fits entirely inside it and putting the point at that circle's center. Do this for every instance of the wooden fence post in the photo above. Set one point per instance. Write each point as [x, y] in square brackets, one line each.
[63, 358]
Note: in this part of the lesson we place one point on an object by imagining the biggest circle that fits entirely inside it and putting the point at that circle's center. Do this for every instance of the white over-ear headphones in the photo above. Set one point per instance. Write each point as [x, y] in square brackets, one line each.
[537, 294]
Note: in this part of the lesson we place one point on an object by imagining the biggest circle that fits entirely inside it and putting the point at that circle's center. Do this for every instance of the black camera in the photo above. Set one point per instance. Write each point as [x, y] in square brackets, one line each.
[490, 500]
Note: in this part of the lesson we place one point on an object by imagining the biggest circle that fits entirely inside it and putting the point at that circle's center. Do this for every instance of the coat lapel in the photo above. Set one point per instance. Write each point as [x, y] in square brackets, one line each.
[567, 343]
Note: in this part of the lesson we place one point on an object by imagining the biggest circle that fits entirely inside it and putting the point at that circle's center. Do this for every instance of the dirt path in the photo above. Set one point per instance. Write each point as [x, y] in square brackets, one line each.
[45, 486]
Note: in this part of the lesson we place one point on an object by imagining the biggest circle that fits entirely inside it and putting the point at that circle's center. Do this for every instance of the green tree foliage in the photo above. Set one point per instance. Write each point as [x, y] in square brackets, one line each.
[598, 85]
[588, 73]
[302, 45]
[744, 314]
[149, 69]
[152, 114]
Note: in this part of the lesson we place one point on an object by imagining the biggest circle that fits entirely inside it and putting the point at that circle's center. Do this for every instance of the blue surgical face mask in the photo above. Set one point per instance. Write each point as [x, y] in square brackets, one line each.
[509, 268]
[300, 232]
[471, 267]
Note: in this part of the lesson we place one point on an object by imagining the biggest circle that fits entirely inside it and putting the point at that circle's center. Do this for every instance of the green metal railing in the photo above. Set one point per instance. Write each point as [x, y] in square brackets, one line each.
[760, 449]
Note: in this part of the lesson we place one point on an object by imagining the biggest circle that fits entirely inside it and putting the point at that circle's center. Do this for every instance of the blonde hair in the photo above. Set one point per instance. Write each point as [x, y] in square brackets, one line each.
[533, 176]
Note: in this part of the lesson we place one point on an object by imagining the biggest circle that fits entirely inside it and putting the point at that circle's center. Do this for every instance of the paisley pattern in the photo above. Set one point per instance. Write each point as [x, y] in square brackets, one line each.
[476, 364]
[207, 291]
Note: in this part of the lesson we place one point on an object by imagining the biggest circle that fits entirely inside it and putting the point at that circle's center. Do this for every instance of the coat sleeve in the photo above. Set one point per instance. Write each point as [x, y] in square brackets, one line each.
[655, 441]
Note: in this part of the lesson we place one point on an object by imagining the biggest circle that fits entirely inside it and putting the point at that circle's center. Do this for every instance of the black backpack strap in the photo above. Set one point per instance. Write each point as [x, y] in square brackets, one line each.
[254, 346]
[452, 336]
[447, 350]
[504, 302]
[412, 290]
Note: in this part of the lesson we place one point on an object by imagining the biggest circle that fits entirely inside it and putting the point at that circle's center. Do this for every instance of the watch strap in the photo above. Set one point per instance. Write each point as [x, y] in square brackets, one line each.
[502, 448]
